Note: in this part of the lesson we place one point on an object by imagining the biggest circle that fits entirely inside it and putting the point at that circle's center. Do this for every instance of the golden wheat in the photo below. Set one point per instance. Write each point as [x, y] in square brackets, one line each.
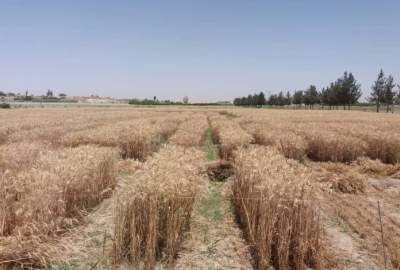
[229, 135]
[42, 202]
[154, 209]
[274, 202]
[191, 132]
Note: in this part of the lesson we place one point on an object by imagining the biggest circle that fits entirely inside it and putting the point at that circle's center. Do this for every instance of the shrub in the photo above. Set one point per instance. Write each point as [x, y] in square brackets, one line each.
[5, 106]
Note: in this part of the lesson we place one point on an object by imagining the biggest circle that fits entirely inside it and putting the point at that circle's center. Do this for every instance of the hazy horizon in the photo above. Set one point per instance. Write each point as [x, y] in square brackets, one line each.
[206, 50]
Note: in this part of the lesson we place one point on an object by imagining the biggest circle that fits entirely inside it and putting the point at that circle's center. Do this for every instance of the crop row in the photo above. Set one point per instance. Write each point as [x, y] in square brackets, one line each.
[274, 201]
[327, 142]
[229, 135]
[42, 202]
[191, 132]
[152, 212]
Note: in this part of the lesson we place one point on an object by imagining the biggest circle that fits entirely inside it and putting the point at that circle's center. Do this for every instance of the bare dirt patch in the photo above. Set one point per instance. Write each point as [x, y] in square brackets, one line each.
[214, 240]
[89, 245]
[345, 248]
[219, 171]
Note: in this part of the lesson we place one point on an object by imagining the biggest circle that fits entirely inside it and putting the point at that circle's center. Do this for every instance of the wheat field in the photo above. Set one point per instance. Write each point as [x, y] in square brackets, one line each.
[130, 188]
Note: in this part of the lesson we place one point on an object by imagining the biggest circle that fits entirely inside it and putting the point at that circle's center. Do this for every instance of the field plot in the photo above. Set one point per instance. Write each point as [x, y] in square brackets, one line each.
[199, 188]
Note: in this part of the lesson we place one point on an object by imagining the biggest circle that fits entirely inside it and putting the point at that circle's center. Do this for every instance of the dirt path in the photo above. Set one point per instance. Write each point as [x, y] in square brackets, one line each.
[345, 248]
[89, 245]
[351, 224]
[214, 241]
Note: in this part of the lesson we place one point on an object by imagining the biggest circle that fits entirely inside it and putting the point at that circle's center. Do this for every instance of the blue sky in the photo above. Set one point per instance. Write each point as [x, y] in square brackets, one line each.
[207, 50]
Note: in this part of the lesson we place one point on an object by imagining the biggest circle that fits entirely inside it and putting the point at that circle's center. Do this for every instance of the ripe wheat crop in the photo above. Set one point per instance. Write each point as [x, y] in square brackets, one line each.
[288, 142]
[44, 201]
[135, 139]
[57, 165]
[191, 132]
[274, 202]
[155, 208]
[229, 135]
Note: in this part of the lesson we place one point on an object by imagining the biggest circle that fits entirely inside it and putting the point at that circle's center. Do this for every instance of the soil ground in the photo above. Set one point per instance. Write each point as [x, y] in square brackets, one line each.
[214, 241]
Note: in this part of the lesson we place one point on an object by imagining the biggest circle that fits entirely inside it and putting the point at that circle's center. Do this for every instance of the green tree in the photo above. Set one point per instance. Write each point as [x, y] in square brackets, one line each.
[378, 89]
[298, 98]
[288, 98]
[261, 99]
[343, 91]
[237, 101]
[273, 100]
[354, 90]
[281, 99]
[249, 100]
[389, 94]
[348, 90]
[398, 95]
[311, 96]
[334, 94]
[324, 96]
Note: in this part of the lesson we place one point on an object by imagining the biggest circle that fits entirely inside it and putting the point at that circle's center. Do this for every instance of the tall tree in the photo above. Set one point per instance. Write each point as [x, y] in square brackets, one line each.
[354, 90]
[348, 90]
[281, 99]
[273, 100]
[298, 98]
[261, 99]
[49, 93]
[343, 91]
[389, 93]
[250, 100]
[378, 89]
[324, 96]
[288, 98]
[398, 95]
[237, 101]
[311, 96]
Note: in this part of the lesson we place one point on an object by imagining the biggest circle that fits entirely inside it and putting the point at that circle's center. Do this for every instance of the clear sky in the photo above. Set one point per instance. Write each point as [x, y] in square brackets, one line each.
[206, 49]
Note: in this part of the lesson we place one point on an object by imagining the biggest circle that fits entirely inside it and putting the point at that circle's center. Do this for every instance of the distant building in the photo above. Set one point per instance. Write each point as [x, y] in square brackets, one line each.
[7, 98]
[224, 102]
[94, 99]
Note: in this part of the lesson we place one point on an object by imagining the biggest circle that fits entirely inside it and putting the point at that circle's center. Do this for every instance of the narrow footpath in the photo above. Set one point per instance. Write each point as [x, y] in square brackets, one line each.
[214, 240]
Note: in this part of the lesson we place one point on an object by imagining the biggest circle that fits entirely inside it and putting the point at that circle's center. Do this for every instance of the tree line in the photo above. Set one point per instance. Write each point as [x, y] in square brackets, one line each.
[383, 92]
[345, 91]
